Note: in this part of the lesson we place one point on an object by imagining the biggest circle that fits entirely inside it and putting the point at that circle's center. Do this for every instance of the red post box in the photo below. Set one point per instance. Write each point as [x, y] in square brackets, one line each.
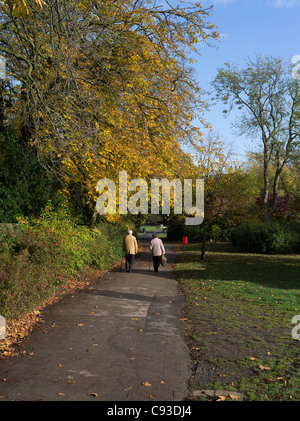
[184, 241]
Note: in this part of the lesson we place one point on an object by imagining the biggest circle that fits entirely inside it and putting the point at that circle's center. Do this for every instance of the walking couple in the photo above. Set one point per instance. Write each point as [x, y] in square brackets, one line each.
[131, 248]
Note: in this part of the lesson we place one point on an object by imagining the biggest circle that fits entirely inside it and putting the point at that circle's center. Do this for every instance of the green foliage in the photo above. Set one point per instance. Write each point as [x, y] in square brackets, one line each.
[103, 245]
[214, 233]
[25, 186]
[268, 238]
[176, 227]
[193, 232]
[39, 255]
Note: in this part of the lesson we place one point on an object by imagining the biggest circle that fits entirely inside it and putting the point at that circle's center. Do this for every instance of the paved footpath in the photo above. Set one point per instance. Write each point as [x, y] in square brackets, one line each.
[121, 340]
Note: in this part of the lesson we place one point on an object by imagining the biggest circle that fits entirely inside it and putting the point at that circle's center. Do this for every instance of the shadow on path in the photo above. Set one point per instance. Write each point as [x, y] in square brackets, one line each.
[104, 342]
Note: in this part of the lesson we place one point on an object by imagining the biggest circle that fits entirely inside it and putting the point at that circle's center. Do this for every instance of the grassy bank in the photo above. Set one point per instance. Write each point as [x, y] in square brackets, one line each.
[238, 315]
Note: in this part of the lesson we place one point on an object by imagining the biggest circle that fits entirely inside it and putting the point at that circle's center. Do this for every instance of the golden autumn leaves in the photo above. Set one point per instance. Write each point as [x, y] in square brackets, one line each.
[112, 93]
[20, 7]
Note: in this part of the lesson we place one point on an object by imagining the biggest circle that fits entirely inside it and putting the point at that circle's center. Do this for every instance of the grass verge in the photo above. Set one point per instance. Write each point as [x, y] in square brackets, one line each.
[238, 315]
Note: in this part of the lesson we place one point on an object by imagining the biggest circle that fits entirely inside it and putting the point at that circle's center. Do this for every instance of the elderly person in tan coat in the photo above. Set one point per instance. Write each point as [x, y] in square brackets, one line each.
[131, 248]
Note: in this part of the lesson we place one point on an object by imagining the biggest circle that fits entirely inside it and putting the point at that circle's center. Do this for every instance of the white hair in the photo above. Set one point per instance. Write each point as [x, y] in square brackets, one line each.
[130, 231]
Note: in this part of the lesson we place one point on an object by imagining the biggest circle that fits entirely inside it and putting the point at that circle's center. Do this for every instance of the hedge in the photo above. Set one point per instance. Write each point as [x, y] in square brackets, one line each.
[40, 255]
[267, 238]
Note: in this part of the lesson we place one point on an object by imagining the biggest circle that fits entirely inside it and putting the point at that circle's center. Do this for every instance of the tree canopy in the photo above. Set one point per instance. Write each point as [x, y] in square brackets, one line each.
[269, 100]
[103, 86]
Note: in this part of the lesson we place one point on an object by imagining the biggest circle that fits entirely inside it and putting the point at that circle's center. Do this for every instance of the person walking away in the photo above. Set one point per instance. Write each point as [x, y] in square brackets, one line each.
[157, 248]
[131, 248]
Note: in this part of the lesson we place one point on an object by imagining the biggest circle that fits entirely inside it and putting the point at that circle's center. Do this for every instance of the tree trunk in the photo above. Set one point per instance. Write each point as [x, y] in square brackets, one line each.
[204, 241]
[265, 216]
[3, 109]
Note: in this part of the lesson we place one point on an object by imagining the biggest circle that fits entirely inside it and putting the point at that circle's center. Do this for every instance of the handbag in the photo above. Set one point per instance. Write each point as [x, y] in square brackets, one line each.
[163, 260]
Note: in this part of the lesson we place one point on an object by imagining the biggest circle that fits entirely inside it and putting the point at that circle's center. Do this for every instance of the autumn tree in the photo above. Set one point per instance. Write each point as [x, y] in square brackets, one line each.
[105, 85]
[229, 189]
[288, 199]
[270, 98]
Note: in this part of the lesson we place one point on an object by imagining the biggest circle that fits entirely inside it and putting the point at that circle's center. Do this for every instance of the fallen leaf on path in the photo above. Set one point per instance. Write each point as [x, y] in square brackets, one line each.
[79, 324]
[146, 384]
[93, 394]
[62, 394]
[222, 398]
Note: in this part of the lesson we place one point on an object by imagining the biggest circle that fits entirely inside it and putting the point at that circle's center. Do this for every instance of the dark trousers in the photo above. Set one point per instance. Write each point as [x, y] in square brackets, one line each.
[129, 262]
[156, 262]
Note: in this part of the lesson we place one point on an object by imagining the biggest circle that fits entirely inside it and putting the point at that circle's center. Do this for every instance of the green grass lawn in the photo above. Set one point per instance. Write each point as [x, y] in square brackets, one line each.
[238, 315]
[157, 228]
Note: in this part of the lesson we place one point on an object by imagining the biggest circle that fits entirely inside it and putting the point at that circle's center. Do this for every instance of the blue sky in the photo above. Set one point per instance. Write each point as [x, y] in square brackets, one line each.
[249, 27]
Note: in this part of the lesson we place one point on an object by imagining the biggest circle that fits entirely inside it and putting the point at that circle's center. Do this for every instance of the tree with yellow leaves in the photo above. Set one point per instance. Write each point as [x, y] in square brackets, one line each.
[104, 86]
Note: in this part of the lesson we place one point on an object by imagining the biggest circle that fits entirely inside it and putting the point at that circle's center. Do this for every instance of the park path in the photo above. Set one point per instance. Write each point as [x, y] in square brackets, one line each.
[119, 340]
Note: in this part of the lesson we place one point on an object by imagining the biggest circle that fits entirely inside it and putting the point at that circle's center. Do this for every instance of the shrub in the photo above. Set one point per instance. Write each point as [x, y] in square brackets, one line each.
[194, 232]
[268, 238]
[30, 271]
[25, 185]
[103, 245]
[215, 233]
[37, 256]
[176, 228]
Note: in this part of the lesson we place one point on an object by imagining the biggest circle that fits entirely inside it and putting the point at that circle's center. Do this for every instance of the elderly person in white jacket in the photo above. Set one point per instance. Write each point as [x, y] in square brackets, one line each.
[157, 248]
